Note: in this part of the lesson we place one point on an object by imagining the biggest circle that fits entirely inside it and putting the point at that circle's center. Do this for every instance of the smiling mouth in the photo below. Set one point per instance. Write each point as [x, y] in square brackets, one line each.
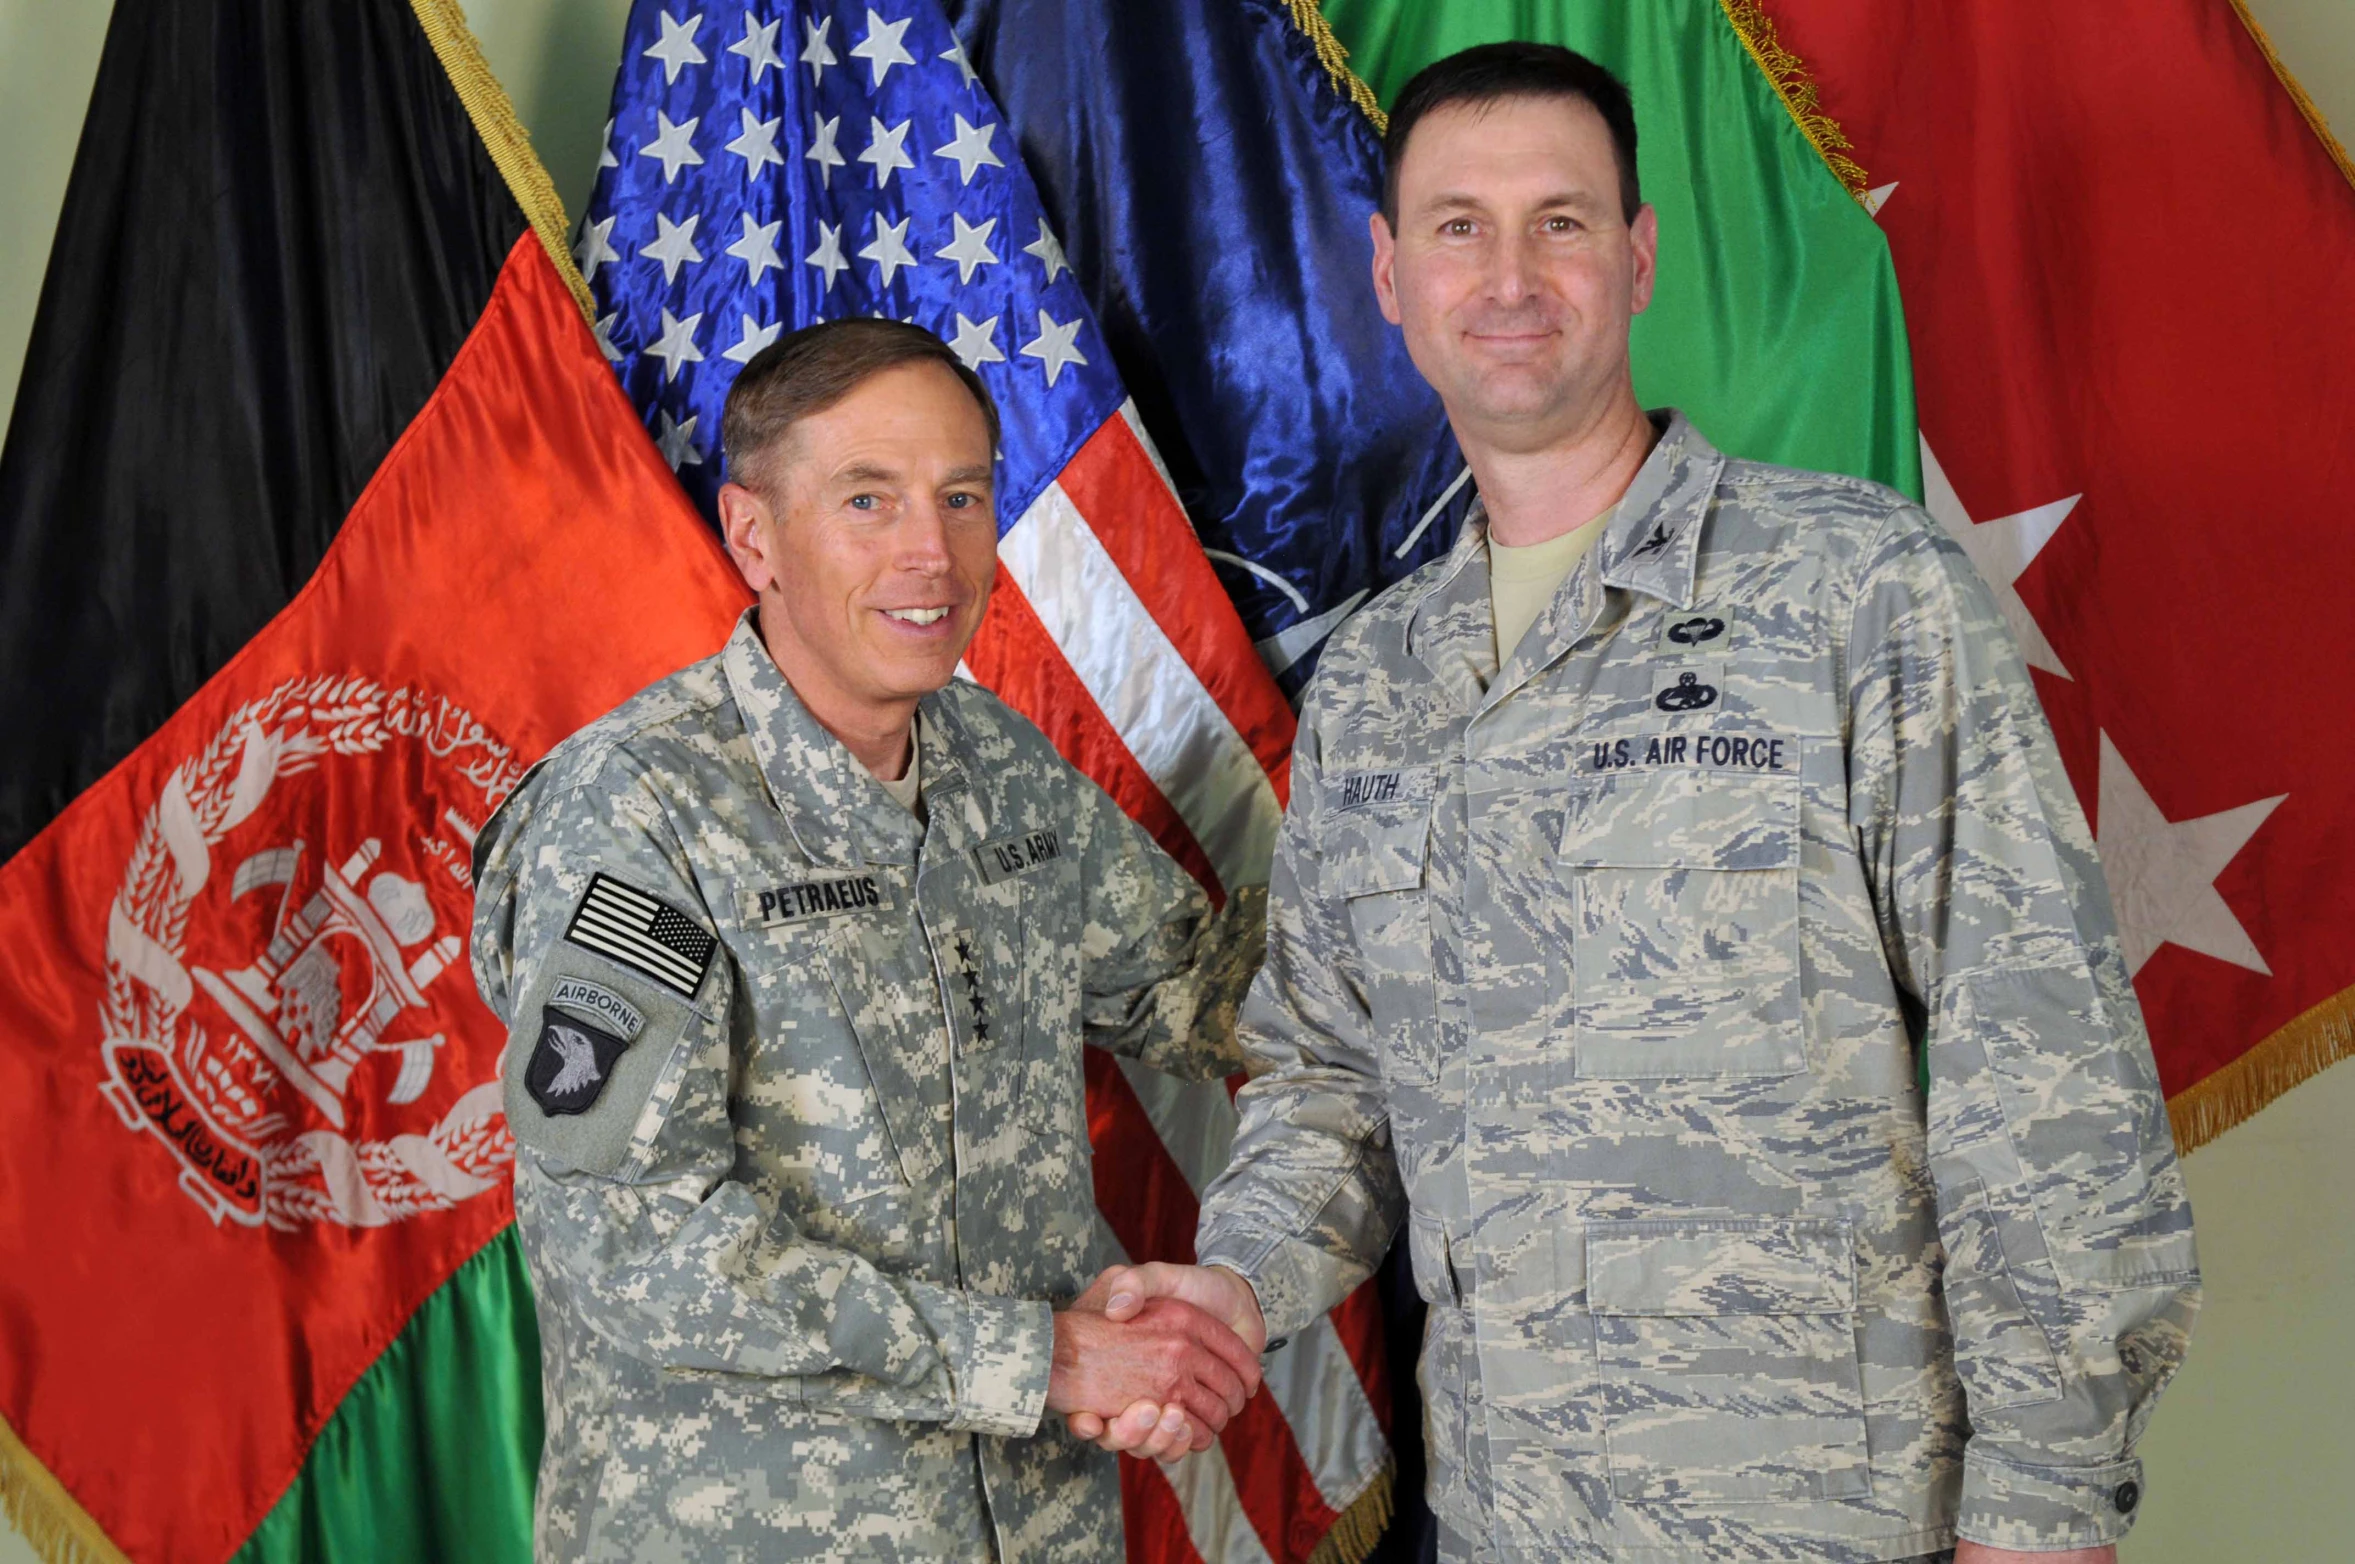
[916, 616]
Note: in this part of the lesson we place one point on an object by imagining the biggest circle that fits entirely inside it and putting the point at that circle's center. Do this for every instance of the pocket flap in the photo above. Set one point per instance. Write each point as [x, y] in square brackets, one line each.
[1683, 819]
[1369, 851]
[1720, 1267]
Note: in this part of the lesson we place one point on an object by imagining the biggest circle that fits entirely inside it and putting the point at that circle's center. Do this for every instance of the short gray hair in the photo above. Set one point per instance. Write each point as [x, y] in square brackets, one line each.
[816, 367]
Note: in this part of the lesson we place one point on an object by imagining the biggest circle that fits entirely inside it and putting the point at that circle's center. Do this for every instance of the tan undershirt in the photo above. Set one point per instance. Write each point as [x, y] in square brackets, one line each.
[1521, 581]
[904, 790]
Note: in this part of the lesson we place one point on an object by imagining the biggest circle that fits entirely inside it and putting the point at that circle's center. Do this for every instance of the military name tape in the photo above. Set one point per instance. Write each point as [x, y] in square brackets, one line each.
[810, 900]
[1368, 789]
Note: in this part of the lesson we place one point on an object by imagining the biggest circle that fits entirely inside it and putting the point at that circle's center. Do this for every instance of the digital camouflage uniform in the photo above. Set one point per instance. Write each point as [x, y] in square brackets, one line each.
[1612, 973]
[798, 1092]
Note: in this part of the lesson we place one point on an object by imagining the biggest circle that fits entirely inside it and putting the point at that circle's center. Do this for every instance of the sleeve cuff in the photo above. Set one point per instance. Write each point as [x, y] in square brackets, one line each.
[1004, 1354]
[2042, 1509]
[1291, 1290]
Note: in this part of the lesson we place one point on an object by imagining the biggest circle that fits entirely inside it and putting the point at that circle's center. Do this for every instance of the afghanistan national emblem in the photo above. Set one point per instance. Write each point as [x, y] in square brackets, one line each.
[287, 1005]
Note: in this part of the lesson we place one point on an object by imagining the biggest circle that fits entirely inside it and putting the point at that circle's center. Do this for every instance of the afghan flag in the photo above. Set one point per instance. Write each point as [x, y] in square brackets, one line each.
[321, 517]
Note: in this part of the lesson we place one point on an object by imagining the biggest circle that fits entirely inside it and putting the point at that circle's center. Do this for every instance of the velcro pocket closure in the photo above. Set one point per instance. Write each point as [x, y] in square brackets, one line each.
[1679, 819]
[1727, 1356]
[1371, 851]
[1685, 923]
[1708, 1268]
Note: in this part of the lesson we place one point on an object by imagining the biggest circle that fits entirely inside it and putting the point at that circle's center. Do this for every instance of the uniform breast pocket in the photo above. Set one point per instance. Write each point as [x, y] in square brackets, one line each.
[1380, 863]
[1685, 924]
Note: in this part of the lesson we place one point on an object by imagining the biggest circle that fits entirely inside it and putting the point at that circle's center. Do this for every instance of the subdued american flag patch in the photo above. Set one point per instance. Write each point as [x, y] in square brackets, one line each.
[643, 934]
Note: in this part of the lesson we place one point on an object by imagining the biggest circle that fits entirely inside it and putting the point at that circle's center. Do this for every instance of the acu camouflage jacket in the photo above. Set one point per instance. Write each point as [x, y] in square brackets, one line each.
[797, 1088]
[1615, 973]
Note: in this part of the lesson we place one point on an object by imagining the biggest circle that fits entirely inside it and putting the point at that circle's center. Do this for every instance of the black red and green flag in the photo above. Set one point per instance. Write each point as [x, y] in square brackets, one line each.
[321, 515]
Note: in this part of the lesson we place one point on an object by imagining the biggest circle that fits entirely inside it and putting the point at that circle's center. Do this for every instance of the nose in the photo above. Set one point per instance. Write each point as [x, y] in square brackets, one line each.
[1509, 277]
[923, 539]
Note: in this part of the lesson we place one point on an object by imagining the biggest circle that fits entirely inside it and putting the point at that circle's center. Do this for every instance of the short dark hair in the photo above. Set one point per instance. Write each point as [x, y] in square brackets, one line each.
[814, 368]
[1493, 72]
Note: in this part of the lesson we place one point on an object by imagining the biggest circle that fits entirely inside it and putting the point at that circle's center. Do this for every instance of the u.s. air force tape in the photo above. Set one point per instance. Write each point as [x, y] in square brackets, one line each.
[643, 933]
[805, 901]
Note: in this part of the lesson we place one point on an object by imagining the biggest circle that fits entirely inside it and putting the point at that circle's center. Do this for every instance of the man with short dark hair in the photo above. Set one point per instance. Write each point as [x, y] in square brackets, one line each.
[1646, 858]
[798, 948]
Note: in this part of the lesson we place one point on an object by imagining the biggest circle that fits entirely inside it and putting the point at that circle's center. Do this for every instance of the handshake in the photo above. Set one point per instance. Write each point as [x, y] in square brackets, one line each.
[1152, 1360]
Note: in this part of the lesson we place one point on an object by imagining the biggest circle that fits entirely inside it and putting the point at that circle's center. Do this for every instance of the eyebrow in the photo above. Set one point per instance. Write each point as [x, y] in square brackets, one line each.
[969, 475]
[1460, 201]
[866, 472]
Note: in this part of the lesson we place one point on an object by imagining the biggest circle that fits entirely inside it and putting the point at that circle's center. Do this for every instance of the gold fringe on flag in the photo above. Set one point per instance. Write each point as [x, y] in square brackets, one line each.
[2330, 143]
[1358, 1528]
[510, 145]
[1788, 75]
[1309, 17]
[37, 1505]
[2306, 1047]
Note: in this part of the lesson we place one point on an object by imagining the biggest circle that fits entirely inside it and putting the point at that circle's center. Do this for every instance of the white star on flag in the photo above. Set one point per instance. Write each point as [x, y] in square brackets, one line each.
[816, 53]
[603, 331]
[2001, 549]
[1054, 346]
[676, 441]
[757, 248]
[1049, 253]
[970, 248]
[759, 47]
[970, 149]
[678, 343]
[955, 55]
[822, 149]
[2162, 872]
[672, 145]
[881, 48]
[676, 48]
[889, 251]
[595, 248]
[827, 257]
[976, 344]
[756, 336]
[605, 157]
[674, 244]
[756, 143]
[886, 150]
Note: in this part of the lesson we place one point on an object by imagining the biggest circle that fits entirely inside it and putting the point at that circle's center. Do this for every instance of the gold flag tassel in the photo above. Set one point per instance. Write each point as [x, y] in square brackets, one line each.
[1309, 17]
[503, 135]
[1788, 75]
[1358, 1528]
[2307, 1046]
[37, 1505]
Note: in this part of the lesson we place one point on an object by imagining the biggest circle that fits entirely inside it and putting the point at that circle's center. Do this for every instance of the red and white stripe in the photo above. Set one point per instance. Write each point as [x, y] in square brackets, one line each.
[1112, 632]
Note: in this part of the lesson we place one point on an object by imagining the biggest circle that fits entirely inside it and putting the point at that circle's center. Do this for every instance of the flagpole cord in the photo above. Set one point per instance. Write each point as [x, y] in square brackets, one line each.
[2306, 105]
[1333, 55]
[503, 135]
[1789, 77]
[58, 1530]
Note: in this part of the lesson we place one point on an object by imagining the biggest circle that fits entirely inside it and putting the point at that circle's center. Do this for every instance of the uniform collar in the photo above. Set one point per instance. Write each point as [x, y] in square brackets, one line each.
[1653, 545]
[839, 815]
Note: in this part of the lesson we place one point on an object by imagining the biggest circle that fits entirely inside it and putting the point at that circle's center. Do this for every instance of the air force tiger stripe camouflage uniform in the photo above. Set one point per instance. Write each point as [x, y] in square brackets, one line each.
[1612, 973]
[796, 1085]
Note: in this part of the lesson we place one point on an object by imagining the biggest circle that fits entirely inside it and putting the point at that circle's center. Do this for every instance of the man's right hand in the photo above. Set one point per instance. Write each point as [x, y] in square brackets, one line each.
[1123, 1293]
[1163, 1354]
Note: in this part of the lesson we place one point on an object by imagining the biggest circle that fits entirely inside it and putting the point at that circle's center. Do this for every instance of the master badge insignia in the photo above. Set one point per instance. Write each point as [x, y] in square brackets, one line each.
[570, 1064]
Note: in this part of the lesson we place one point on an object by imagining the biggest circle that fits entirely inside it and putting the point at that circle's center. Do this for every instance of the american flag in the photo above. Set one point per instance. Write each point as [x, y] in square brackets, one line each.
[770, 166]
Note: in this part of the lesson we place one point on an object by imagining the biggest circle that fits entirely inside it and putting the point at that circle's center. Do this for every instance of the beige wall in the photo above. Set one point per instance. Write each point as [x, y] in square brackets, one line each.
[2255, 1445]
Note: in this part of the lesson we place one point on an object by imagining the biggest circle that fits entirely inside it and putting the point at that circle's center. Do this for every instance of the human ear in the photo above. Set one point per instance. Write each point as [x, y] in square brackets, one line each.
[1385, 262]
[745, 520]
[1643, 235]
